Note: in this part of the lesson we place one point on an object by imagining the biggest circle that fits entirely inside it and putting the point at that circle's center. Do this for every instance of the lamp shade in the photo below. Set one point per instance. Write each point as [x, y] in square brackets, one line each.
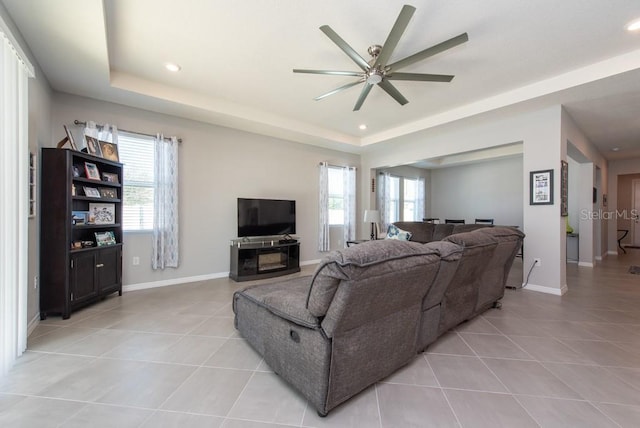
[371, 216]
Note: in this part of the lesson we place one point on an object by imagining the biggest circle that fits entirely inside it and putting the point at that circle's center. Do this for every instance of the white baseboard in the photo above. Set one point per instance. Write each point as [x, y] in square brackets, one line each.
[175, 281]
[33, 324]
[586, 264]
[185, 280]
[547, 290]
[613, 253]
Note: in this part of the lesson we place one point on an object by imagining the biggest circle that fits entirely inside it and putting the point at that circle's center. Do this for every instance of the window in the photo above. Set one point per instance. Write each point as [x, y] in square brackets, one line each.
[137, 153]
[394, 199]
[336, 196]
[410, 199]
[400, 198]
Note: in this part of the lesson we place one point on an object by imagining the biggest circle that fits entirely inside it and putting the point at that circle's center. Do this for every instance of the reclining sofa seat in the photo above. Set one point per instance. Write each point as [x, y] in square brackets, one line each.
[477, 280]
[354, 322]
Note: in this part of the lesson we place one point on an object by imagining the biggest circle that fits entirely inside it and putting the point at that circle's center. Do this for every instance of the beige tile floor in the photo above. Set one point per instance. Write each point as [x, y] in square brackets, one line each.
[170, 357]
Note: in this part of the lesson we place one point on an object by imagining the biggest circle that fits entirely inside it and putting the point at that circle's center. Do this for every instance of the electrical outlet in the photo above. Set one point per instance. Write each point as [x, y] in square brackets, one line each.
[35, 282]
[537, 262]
[135, 261]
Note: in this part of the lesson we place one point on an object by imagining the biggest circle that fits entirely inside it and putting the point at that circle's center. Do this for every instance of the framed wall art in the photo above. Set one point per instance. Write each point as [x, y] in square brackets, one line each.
[541, 187]
[564, 189]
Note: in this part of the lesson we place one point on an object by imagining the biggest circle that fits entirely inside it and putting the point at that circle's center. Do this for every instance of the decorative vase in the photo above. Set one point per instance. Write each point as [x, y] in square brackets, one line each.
[569, 228]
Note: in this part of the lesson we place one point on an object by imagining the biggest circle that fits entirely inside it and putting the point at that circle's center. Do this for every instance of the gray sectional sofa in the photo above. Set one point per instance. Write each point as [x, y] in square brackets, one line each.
[370, 309]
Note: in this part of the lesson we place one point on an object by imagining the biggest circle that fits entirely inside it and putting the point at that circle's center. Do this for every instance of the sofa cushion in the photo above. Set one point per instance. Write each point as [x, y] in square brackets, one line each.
[394, 232]
[441, 231]
[354, 263]
[420, 231]
[462, 228]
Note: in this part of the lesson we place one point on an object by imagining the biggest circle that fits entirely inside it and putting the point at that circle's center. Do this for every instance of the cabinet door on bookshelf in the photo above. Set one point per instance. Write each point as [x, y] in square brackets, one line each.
[83, 282]
[108, 266]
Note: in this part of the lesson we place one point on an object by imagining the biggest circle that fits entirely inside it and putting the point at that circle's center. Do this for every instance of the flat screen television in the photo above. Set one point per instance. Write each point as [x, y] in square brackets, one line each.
[264, 217]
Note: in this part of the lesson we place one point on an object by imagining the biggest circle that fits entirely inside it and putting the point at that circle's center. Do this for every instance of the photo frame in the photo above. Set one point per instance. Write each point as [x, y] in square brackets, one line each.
[541, 187]
[79, 218]
[102, 213]
[564, 189]
[111, 178]
[105, 238]
[91, 192]
[93, 146]
[109, 151]
[108, 192]
[91, 170]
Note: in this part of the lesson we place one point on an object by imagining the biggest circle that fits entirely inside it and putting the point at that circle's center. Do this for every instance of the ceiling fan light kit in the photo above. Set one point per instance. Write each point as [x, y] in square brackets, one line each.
[376, 71]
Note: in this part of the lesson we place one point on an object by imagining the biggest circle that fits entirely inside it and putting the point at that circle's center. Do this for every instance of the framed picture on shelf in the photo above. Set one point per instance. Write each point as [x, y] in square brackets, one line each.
[76, 170]
[541, 187]
[79, 218]
[109, 150]
[107, 192]
[105, 238]
[102, 213]
[92, 171]
[93, 147]
[91, 192]
[111, 178]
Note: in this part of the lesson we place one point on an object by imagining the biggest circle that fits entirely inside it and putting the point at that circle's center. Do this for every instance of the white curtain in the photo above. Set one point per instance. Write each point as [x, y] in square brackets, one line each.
[165, 213]
[349, 183]
[323, 204]
[419, 200]
[383, 199]
[15, 71]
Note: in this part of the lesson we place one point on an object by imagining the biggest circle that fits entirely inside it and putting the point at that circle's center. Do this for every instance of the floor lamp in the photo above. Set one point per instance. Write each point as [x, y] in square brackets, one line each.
[373, 217]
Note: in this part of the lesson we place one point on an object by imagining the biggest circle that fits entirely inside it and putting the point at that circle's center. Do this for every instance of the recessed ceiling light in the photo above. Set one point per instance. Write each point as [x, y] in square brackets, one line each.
[615, 149]
[363, 126]
[172, 67]
[634, 25]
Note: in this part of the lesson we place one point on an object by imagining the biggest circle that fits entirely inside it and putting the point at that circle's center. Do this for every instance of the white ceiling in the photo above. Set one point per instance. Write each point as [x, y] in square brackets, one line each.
[237, 59]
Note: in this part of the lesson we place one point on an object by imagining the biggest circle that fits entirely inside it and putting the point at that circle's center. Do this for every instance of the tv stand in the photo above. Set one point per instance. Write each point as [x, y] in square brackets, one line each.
[263, 257]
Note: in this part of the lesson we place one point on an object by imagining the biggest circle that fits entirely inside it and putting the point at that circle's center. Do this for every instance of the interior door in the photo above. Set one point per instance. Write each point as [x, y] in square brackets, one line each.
[635, 213]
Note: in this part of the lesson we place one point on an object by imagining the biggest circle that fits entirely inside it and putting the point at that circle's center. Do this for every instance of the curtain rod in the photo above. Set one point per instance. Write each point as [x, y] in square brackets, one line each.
[79, 122]
[337, 166]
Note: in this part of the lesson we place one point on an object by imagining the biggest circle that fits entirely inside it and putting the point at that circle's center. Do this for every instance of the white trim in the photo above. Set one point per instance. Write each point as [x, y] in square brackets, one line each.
[548, 290]
[186, 280]
[4, 29]
[166, 282]
[599, 258]
[613, 253]
[35, 321]
[586, 264]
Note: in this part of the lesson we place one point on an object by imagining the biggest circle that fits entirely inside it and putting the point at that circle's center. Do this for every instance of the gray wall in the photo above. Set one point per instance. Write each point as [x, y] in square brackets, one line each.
[490, 189]
[217, 165]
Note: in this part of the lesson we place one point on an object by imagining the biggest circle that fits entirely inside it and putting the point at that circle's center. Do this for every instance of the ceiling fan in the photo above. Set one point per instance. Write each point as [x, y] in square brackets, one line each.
[377, 71]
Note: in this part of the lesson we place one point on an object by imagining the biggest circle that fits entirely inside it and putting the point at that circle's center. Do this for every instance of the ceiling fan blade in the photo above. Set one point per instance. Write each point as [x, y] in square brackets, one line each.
[343, 87]
[351, 53]
[363, 96]
[433, 50]
[420, 77]
[330, 72]
[394, 36]
[391, 90]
